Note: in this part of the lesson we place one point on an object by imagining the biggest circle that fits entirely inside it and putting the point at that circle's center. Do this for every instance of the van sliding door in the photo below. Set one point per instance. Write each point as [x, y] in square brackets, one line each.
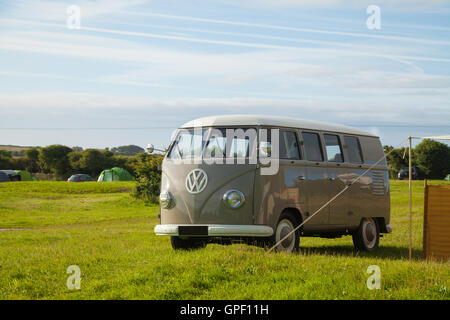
[337, 179]
[316, 184]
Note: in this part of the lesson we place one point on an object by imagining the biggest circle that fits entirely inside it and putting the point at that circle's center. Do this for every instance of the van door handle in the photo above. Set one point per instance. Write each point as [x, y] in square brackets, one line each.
[301, 178]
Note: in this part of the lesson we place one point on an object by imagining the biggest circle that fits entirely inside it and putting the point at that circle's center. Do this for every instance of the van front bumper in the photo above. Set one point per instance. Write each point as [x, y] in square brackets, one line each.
[215, 230]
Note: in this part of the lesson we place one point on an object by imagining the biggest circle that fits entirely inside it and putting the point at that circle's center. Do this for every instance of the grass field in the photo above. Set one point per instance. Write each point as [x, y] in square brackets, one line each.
[48, 226]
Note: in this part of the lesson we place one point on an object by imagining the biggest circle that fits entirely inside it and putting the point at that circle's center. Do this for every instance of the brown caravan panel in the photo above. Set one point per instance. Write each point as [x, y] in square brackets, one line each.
[256, 178]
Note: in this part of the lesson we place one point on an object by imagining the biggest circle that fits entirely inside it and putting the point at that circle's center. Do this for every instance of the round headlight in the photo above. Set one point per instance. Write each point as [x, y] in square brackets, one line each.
[233, 199]
[165, 200]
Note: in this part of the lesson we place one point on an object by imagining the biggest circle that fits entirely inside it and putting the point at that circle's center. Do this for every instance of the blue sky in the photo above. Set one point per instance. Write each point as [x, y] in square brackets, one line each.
[138, 69]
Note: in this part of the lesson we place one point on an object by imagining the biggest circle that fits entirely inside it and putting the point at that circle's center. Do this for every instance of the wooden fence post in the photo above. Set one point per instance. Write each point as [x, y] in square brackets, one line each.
[425, 219]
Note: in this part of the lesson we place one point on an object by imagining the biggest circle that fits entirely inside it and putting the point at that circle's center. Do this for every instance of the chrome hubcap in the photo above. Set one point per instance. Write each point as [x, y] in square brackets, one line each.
[369, 232]
[284, 227]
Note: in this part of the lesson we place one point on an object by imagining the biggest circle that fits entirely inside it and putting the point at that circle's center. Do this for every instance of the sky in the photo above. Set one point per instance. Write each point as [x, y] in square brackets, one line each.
[136, 70]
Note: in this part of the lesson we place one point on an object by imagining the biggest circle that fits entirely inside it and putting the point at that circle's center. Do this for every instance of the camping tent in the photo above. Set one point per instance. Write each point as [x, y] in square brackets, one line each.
[115, 174]
[12, 175]
[3, 177]
[18, 175]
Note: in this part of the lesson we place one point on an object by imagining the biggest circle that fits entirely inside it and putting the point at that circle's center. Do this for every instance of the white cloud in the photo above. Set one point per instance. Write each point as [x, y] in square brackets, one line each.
[56, 10]
[335, 110]
[403, 4]
[296, 29]
[149, 65]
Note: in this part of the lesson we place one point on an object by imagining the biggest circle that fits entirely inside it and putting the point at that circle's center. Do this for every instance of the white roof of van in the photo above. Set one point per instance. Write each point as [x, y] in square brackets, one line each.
[265, 120]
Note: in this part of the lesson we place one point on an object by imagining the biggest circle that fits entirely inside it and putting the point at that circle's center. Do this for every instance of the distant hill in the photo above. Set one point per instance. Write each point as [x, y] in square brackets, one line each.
[130, 150]
[16, 151]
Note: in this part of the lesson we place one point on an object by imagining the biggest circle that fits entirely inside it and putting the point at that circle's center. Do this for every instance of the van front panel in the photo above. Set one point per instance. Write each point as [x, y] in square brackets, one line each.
[207, 207]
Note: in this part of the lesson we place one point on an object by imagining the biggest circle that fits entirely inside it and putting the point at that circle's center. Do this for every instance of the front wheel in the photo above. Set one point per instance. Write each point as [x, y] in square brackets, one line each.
[187, 243]
[367, 237]
[286, 225]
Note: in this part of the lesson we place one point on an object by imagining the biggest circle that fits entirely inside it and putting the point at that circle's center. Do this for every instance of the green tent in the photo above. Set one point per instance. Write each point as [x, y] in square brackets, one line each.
[447, 177]
[115, 174]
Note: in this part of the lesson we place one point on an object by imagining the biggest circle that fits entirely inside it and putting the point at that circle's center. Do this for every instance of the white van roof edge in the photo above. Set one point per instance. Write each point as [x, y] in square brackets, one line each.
[266, 120]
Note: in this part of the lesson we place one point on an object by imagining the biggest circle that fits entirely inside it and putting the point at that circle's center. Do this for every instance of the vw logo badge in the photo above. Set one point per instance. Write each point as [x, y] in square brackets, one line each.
[196, 181]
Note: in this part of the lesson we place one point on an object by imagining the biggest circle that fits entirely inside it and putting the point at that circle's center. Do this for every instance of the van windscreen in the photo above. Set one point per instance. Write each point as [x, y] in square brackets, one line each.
[222, 143]
[189, 143]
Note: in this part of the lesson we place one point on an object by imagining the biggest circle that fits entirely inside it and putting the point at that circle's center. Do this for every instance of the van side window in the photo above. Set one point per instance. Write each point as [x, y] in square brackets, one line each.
[353, 149]
[289, 145]
[333, 147]
[313, 148]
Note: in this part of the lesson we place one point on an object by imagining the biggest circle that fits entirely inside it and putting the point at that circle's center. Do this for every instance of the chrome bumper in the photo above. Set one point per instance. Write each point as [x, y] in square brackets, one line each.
[218, 230]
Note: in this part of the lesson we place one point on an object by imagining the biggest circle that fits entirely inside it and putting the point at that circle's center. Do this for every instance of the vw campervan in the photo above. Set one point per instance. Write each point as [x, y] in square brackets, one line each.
[256, 178]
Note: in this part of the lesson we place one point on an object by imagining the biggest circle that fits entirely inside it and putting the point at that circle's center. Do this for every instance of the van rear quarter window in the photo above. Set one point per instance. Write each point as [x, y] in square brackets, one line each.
[371, 150]
[353, 149]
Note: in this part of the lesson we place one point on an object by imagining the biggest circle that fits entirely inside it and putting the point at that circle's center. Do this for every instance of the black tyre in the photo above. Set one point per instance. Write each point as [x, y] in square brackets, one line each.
[187, 243]
[285, 225]
[367, 237]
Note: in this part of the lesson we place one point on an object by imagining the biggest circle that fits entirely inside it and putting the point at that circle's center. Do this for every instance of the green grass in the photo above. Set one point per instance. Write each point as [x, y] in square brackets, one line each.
[109, 235]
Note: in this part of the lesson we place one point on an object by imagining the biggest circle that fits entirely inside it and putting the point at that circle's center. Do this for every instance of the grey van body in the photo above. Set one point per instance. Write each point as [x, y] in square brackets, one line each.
[302, 184]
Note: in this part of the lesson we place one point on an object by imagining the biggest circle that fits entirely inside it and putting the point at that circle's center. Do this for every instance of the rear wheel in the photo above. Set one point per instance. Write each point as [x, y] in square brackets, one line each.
[187, 243]
[286, 225]
[367, 237]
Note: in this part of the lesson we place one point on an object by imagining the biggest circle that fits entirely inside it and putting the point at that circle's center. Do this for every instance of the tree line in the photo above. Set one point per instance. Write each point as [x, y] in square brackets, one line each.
[62, 161]
[431, 158]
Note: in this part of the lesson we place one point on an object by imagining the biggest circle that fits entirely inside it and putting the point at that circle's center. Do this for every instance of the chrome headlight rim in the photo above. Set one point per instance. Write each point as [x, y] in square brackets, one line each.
[166, 200]
[227, 198]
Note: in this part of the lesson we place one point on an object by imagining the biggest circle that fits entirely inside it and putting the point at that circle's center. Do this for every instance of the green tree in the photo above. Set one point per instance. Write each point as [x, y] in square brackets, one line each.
[395, 159]
[147, 169]
[32, 159]
[93, 162]
[5, 153]
[433, 158]
[5, 159]
[19, 163]
[5, 162]
[74, 161]
[55, 158]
